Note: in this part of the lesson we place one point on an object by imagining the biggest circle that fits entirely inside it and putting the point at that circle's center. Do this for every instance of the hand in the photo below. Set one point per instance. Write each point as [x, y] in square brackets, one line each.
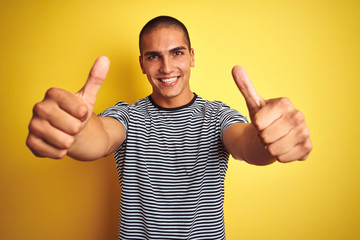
[62, 115]
[280, 126]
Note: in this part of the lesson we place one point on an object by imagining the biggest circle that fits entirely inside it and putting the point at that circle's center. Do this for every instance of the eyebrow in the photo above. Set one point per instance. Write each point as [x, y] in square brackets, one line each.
[171, 50]
[177, 49]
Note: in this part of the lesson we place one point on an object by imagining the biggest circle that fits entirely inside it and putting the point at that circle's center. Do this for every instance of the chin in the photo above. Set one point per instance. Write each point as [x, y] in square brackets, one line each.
[170, 95]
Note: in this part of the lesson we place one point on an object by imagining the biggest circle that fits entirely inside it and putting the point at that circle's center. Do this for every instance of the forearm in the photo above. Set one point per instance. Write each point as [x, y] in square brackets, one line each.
[242, 142]
[92, 142]
[252, 149]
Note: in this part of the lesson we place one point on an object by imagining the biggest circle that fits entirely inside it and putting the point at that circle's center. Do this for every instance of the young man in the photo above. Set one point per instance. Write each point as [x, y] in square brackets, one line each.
[172, 147]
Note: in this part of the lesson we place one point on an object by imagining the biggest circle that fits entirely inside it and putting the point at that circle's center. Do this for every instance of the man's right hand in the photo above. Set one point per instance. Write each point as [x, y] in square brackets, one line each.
[62, 115]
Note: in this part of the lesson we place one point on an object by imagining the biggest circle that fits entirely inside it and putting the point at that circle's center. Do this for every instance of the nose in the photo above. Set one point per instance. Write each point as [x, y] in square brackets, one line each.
[166, 65]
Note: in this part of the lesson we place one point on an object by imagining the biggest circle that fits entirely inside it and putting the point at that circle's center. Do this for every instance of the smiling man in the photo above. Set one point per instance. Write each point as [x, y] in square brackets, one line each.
[172, 147]
[166, 59]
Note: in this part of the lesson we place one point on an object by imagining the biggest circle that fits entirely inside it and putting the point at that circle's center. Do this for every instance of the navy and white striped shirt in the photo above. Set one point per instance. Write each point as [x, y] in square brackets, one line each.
[171, 169]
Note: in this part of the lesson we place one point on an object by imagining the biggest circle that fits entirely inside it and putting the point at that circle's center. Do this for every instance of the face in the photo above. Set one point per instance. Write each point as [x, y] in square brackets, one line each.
[167, 60]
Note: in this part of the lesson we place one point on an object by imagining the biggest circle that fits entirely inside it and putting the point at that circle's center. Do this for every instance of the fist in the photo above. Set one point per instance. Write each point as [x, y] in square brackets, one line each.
[61, 116]
[281, 127]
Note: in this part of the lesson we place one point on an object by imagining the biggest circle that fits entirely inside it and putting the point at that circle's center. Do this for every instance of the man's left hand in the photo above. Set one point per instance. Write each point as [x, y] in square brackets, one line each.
[281, 127]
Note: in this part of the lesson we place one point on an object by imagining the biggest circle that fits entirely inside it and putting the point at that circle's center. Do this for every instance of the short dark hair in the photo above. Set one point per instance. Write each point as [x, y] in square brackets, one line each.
[164, 21]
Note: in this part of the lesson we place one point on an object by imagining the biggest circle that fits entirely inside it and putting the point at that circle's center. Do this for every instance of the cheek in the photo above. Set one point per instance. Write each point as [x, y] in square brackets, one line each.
[152, 82]
[184, 66]
[150, 70]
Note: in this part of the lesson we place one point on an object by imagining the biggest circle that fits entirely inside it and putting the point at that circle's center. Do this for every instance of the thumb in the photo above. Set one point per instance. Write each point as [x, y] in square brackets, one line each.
[253, 100]
[95, 79]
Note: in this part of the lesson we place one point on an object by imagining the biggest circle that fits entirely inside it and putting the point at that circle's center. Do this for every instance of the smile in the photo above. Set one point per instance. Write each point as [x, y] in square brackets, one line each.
[168, 80]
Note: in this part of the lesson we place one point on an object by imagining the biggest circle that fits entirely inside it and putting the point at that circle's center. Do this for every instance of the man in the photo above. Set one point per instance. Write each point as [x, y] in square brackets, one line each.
[172, 147]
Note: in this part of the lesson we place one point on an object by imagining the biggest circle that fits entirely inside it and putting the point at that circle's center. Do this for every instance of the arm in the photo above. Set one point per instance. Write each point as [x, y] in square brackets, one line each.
[64, 123]
[101, 137]
[278, 130]
[243, 142]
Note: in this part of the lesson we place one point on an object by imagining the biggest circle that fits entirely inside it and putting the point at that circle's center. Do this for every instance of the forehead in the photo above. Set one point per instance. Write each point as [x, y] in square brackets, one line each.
[163, 38]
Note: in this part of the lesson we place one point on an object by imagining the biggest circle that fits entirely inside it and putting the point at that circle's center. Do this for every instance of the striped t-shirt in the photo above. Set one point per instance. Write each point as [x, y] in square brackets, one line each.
[171, 169]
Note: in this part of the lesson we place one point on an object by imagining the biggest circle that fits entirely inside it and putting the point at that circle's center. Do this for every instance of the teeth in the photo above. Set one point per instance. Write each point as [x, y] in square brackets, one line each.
[169, 80]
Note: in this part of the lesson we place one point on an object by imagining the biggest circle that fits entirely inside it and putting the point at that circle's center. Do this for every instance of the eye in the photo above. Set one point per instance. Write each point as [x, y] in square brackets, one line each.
[178, 53]
[152, 57]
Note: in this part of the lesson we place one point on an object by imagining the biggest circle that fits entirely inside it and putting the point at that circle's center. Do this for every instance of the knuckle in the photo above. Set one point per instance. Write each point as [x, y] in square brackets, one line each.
[52, 93]
[39, 109]
[298, 117]
[42, 109]
[308, 146]
[257, 123]
[306, 149]
[285, 102]
[70, 142]
[67, 142]
[75, 128]
[60, 154]
[305, 133]
[82, 110]
[265, 137]
[272, 150]
[31, 143]
[34, 127]
[281, 159]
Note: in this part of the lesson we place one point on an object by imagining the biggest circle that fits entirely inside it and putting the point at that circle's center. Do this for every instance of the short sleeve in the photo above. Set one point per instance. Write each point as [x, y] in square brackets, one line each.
[228, 116]
[119, 112]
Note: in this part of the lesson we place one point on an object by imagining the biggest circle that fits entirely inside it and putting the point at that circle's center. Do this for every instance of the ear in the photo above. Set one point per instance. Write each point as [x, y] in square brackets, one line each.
[141, 64]
[192, 61]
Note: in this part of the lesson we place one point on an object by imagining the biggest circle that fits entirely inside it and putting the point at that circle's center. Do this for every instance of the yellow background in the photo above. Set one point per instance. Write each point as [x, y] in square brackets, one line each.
[305, 50]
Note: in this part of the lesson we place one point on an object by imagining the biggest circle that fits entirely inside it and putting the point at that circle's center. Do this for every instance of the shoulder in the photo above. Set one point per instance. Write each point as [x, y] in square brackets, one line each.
[122, 110]
[213, 105]
[223, 112]
[122, 106]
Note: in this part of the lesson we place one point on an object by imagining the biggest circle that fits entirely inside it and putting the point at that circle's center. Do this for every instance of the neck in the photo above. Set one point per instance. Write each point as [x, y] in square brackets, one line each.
[173, 102]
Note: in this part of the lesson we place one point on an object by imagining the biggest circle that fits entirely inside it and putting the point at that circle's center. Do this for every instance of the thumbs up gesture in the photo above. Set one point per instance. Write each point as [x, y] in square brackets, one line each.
[62, 115]
[281, 127]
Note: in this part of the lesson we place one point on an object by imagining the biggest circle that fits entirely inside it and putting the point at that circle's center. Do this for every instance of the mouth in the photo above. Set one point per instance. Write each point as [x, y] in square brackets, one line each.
[169, 80]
